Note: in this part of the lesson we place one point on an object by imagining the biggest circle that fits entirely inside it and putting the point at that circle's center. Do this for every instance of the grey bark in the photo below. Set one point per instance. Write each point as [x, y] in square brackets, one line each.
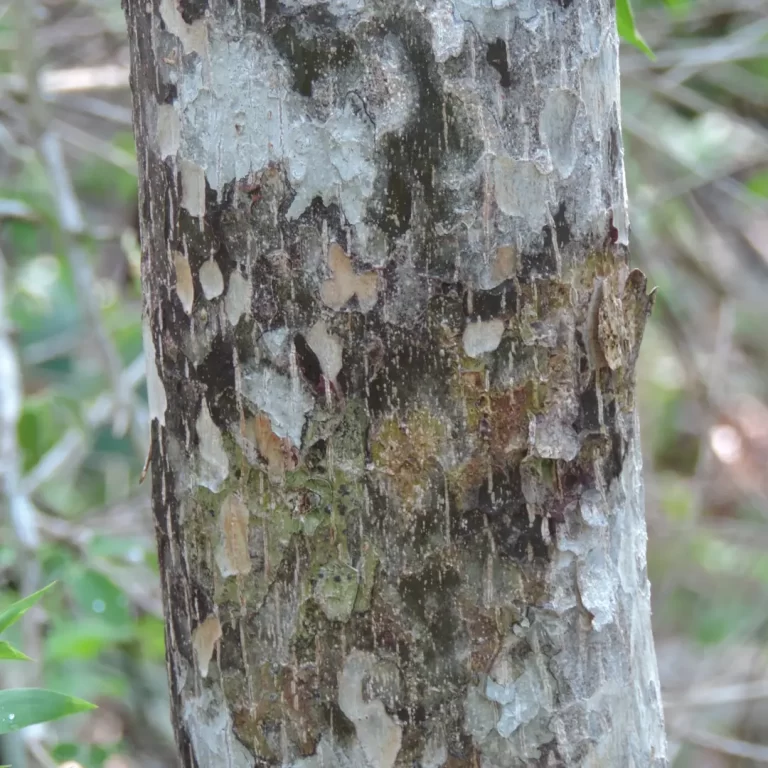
[391, 338]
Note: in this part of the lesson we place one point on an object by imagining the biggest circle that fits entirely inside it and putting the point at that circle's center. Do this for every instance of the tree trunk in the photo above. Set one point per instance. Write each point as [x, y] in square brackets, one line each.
[391, 341]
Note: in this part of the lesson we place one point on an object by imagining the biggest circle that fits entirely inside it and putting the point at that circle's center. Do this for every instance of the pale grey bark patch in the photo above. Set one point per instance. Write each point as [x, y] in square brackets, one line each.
[379, 735]
[192, 187]
[211, 279]
[158, 402]
[482, 337]
[210, 728]
[556, 124]
[213, 461]
[448, 31]
[281, 397]
[238, 299]
[185, 286]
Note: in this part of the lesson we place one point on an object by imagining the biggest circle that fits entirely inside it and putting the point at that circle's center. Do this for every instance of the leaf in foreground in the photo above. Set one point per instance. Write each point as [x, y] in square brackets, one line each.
[625, 23]
[15, 611]
[21, 707]
[9, 653]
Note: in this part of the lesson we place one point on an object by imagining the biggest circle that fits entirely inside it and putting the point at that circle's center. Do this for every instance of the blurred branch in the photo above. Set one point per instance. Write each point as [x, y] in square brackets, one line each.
[42, 351]
[78, 79]
[141, 587]
[688, 97]
[94, 146]
[37, 750]
[72, 226]
[70, 215]
[713, 385]
[740, 82]
[721, 177]
[721, 694]
[16, 209]
[105, 110]
[747, 42]
[131, 517]
[72, 448]
[21, 509]
[713, 741]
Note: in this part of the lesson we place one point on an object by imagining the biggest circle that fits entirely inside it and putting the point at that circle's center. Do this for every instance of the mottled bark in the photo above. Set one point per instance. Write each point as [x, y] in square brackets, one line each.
[391, 342]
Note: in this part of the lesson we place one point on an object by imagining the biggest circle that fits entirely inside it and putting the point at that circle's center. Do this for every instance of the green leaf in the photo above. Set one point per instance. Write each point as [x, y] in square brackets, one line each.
[84, 639]
[678, 8]
[99, 598]
[625, 22]
[9, 653]
[131, 549]
[21, 707]
[14, 612]
[758, 184]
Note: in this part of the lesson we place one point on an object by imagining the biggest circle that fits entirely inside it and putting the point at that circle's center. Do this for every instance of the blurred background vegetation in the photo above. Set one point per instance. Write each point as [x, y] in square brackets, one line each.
[73, 425]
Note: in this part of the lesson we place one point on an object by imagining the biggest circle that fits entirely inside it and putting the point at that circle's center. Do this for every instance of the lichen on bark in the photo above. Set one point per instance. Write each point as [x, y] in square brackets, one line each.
[392, 337]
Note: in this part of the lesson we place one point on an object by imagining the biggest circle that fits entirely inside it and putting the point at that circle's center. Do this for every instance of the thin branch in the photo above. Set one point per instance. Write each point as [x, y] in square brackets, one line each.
[717, 743]
[142, 591]
[76, 80]
[70, 216]
[94, 146]
[699, 176]
[37, 750]
[72, 448]
[11, 392]
[721, 694]
[90, 105]
[16, 209]
[746, 42]
[107, 77]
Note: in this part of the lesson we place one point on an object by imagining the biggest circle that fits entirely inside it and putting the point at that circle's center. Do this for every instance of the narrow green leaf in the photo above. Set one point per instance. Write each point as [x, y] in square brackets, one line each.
[625, 22]
[9, 653]
[20, 707]
[15, 611]
[758, 184]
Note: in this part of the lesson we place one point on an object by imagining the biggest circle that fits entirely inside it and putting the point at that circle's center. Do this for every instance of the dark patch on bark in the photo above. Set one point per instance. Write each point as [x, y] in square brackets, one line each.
[562, 227]
[217, 374]
[200, 246]
[309, 50]
[461, 748]
[192, 10]
[202, 599]
[495, 303]
[361, 344]
[542, 263]
[309, 365]
[615, 464]
[315, 215]
[167, 93]
[589, 409]
[341, 726]
[412, 155]
[413, 362]
[614, 148]
[550, 754]
[252, 12]
[395, 219]
[440, 617]
[496, 56]
[506, 514]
